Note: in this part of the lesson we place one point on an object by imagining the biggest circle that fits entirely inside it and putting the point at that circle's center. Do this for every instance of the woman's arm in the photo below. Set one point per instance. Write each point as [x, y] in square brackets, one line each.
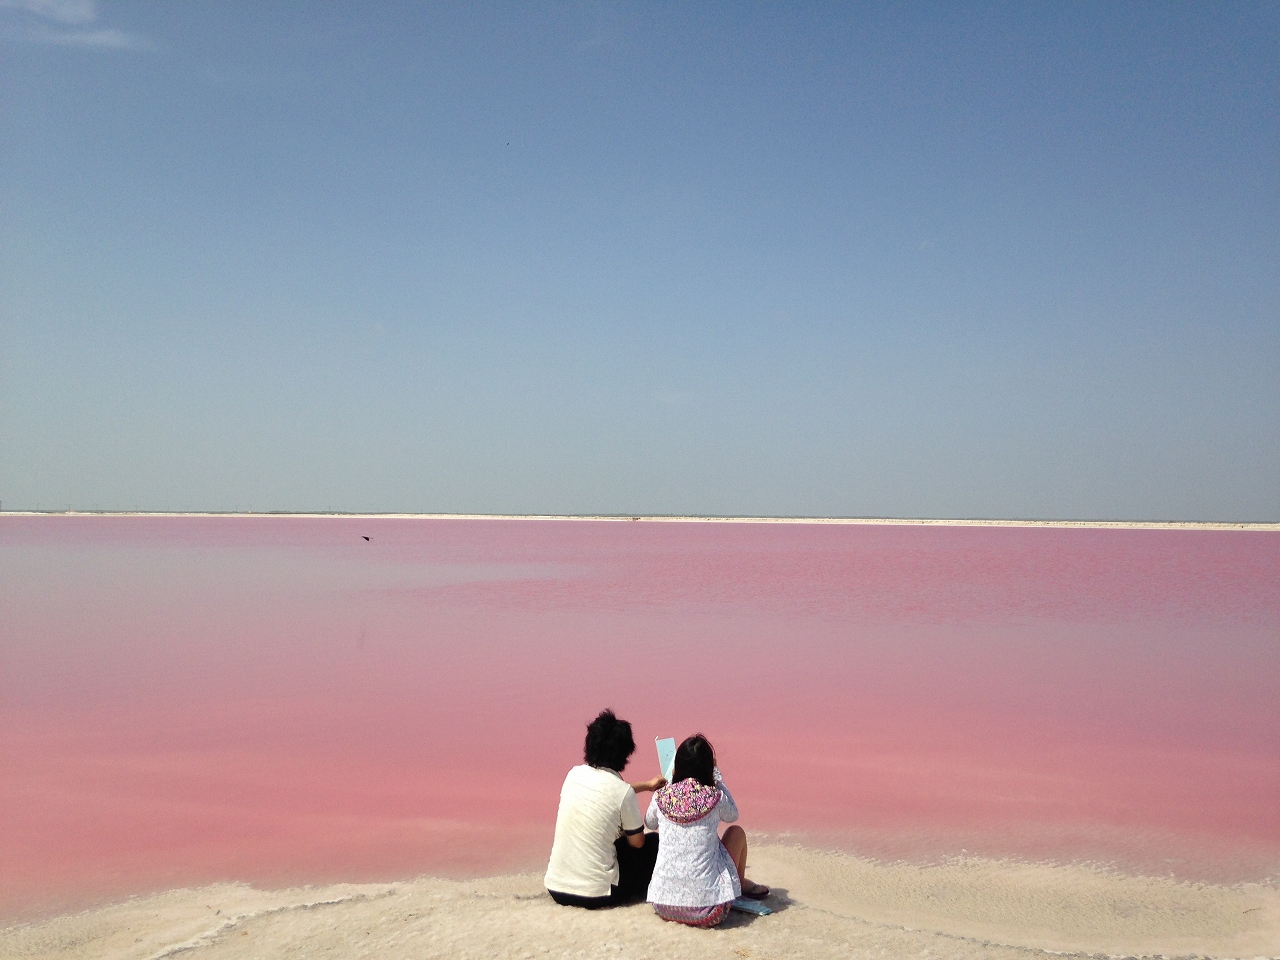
[727, 809]
[651, 815]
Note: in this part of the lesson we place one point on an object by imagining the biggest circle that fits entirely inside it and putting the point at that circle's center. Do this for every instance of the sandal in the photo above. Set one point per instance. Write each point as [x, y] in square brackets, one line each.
[758, 891]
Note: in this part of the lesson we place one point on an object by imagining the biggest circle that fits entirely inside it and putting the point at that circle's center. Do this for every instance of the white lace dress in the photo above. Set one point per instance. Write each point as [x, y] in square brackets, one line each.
[693, 869]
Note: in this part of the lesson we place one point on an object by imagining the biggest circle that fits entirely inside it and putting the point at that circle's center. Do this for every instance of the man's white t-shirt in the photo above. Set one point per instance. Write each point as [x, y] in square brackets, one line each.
[596, 807]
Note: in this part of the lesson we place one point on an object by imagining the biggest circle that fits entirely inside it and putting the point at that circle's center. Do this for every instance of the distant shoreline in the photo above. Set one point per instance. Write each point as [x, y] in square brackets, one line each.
[1272, 527]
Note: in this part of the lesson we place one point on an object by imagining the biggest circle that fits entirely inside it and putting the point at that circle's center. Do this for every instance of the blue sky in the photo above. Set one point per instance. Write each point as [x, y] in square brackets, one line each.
[880, 260]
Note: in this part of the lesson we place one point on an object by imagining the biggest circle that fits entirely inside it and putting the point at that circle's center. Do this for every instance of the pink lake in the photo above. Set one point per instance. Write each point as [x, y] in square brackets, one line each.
[276, 699]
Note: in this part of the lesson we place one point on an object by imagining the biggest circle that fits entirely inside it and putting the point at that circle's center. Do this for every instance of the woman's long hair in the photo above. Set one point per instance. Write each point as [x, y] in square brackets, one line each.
[695, 758]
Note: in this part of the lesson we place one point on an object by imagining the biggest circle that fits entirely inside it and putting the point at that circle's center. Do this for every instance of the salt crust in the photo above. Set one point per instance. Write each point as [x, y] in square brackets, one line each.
[827, 905]
[1262, 526]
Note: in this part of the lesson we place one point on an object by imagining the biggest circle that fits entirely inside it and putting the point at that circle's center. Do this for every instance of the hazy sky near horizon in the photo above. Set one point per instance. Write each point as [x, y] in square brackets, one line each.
[978, 260]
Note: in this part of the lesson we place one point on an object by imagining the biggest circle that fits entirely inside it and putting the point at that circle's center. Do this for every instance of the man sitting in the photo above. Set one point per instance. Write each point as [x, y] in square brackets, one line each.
[601, 855]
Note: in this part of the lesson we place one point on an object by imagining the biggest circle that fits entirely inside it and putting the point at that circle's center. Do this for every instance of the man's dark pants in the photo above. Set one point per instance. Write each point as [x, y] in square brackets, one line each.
[635, 870]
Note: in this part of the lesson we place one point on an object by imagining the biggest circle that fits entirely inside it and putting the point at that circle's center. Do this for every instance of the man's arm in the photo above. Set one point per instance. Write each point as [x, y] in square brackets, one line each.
[631, 811]
[647, 786]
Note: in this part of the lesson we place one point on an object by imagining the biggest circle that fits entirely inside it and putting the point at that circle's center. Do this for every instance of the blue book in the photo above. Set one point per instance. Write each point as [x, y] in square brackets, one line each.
[666, 756]
[745, 905]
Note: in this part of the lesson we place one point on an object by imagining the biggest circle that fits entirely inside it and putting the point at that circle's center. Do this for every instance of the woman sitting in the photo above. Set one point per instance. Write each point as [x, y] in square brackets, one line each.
[697, 875]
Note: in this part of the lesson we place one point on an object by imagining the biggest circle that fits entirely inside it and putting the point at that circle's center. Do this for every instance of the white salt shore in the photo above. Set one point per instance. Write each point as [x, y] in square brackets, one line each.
[827, 905]
[1266, 526]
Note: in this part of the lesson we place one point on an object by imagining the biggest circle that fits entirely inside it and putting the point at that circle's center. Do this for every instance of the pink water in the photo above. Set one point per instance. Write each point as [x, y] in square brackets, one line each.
[279, 700]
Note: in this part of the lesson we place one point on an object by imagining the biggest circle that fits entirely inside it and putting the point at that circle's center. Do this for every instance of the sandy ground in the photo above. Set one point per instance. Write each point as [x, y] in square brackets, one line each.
[828, 905]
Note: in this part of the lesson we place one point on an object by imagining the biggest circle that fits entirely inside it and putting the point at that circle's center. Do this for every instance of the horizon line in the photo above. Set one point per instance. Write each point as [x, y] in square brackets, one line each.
[1273, 526]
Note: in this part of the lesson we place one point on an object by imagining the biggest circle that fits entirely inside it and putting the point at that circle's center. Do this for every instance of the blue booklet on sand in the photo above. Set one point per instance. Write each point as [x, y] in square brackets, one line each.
[666, 755]
[750, 906]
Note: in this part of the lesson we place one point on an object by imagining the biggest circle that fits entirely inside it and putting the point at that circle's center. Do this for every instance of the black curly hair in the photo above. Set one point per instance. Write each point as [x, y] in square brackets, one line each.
[609, 742]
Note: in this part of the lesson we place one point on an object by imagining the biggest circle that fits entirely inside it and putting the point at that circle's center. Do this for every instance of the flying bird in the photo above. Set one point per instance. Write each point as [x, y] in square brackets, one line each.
[366, 538]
